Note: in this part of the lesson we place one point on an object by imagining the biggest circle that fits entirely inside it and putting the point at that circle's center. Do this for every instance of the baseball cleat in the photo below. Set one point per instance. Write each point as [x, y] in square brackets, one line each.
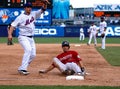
[88, 44]
[95, 45]
[81, 73]
[23, 72]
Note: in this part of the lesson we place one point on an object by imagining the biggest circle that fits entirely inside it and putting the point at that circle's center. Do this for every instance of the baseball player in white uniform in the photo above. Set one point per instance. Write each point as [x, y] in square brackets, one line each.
[102, 28]
[25, 23]
[82, 36]
[92, 34]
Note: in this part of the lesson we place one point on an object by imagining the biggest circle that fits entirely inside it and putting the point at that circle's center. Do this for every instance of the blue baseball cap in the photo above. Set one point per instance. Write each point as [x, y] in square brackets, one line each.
[65, 43]
[28, 4]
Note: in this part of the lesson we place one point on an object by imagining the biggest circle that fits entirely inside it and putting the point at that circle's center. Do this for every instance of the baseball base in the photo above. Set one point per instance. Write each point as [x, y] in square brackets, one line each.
[77, 45]
[74, 77]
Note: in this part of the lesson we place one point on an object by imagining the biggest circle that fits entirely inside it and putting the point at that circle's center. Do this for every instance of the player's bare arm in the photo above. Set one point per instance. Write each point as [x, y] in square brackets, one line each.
[80, 64]
[10, 32]
[105, 28]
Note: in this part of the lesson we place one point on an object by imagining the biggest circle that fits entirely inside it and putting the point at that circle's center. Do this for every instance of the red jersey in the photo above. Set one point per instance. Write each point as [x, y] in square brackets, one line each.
[69, 56]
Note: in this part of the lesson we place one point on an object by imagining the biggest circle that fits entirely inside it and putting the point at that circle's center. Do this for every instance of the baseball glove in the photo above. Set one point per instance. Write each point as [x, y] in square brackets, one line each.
[83, 71]
[68, 72]
[44, 4]
[102, 35]
[9, 41]
[96, 34]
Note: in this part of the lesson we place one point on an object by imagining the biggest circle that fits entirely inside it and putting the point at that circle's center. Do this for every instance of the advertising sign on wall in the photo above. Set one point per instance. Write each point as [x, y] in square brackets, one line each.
[107, 7]
[7, 15]
[49, 31]
[46, 31]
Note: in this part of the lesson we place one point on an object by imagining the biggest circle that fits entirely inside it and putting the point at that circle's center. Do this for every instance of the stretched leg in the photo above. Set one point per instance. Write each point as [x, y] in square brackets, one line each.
[73, 66]
[95, 40]
[24, 42]
[83, 36]
[33, 51]
[61, 67]
[90, 39]
[103, 42]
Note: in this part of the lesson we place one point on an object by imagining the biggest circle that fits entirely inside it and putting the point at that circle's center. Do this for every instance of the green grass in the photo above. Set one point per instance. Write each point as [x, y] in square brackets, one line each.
[58, 87]
[111, 54]
[60, 39]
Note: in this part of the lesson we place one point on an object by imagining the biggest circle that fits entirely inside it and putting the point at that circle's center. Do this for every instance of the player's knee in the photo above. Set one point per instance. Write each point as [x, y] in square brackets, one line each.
[73, 64]
[28, 51]
[33, 55]
[55, 60]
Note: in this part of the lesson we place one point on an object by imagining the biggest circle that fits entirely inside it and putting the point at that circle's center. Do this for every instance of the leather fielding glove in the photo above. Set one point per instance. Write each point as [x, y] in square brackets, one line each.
[9, 42]
[102, 35]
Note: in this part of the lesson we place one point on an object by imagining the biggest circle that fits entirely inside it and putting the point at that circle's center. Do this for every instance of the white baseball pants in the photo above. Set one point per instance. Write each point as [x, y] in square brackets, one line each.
[103, 42]
[82, 36]
[70, 65]
[92, 35]
[28, 45]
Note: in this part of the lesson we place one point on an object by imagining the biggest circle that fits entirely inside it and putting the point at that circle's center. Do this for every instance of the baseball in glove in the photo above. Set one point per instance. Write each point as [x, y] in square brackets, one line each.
[102, 35]
[9, 42]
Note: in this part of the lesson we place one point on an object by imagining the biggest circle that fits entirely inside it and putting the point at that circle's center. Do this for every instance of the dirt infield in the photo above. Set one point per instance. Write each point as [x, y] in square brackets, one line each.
[101, 73]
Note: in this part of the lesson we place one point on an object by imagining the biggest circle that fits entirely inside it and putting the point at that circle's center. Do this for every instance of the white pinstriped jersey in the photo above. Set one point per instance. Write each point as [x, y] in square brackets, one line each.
[26, 23]
[93, 29]
[102, 26]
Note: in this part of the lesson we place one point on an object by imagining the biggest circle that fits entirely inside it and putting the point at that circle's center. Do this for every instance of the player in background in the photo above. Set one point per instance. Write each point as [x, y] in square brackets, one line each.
[93, 31]
[82, 36]
[26, 24]
[68, 62]
[102, 28]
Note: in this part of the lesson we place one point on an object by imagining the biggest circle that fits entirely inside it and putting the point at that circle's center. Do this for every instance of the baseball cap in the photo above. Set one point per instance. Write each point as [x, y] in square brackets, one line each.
[65, 43]
[102, 17]
[28, 4]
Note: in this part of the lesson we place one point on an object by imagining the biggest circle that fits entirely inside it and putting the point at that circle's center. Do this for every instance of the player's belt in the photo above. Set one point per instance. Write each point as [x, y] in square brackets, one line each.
[28, 36]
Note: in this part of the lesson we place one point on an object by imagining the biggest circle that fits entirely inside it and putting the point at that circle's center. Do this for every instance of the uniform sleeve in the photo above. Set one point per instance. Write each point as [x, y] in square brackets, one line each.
[77, 56]
[37, 14]
[16, 22]
[89, 29]
[59, 56]
[105, 24]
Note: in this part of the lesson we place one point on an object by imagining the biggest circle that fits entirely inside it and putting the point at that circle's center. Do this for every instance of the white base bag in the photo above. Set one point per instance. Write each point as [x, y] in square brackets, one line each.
[74, 77]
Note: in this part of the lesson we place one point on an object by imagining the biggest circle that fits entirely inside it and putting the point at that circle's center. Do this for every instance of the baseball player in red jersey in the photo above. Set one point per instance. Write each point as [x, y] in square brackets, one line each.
[68, 62]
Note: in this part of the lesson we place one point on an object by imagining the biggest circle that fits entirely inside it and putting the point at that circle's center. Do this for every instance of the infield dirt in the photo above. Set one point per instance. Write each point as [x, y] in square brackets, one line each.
[101, 73]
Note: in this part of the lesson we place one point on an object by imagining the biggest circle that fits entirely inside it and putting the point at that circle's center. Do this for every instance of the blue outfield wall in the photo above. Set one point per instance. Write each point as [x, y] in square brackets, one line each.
[3, 31]
[53, 31]
[74, 31]
[47, 31]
